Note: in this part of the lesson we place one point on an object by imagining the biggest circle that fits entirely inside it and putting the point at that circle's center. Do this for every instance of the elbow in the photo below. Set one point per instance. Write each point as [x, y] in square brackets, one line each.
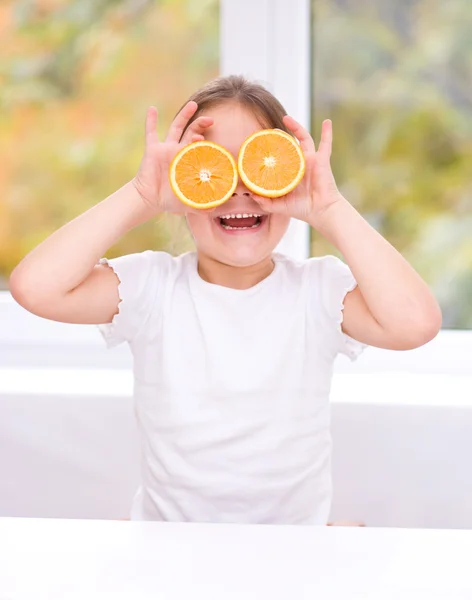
[435, 322]
[18, 286]
[423, 329]
[429, 329]
[23, 290]
[36, 293]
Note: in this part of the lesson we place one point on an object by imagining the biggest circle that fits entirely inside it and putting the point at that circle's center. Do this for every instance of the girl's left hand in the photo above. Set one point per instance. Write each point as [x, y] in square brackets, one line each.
[318, 190]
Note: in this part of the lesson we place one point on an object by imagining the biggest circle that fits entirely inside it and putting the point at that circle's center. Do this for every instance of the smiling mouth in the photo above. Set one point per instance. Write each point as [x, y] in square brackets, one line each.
[241, 221]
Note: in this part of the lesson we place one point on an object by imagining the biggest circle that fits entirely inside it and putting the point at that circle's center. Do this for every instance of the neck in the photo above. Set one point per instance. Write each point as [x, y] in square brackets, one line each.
[238, 278]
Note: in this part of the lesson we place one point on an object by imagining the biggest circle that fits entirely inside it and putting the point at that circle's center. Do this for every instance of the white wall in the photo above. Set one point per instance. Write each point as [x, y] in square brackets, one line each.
[402, 446]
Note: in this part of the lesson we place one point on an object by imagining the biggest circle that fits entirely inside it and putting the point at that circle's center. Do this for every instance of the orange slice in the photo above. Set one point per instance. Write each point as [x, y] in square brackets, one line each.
[203, 175]
[271, 163]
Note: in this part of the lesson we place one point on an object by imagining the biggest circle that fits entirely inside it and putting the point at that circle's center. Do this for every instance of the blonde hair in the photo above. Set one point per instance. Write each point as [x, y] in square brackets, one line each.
[253, 96]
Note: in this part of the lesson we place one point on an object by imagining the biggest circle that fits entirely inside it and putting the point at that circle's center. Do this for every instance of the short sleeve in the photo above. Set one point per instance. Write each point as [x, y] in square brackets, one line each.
[137, 275]
[337, 280]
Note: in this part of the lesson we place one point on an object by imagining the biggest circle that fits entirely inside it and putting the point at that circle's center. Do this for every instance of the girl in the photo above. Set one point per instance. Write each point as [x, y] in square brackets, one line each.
[234, 344]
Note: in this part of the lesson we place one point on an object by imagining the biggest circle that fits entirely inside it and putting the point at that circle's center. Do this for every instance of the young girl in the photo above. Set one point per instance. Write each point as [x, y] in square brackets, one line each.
[233, 345]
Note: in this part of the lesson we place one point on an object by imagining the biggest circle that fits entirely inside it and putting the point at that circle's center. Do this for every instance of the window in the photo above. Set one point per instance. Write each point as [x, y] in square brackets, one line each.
[76, 78]
[394, 76]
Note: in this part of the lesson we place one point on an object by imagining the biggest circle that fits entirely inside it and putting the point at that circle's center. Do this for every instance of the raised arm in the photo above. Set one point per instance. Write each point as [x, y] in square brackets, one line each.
[392, 307]
[61, 278]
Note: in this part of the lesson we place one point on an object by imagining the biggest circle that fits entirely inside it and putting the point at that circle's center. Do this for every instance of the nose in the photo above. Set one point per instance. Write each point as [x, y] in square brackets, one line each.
[241, 190]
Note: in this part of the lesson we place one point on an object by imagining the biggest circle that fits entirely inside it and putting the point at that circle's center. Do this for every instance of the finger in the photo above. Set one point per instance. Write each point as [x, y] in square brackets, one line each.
[326, 140]
[180, 122]
[198, 127]
[302, 135]
[197, 138]
[151, 124]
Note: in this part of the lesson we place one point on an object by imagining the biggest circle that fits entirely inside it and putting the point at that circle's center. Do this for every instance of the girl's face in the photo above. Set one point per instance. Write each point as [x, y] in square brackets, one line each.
[237, 242]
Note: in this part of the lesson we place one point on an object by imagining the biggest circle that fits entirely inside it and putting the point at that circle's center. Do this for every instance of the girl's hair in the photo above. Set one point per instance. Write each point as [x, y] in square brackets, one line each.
[236, 88]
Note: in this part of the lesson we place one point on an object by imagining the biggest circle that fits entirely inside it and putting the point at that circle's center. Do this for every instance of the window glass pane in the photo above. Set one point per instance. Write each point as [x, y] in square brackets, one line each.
[395, 77]
[76, 77]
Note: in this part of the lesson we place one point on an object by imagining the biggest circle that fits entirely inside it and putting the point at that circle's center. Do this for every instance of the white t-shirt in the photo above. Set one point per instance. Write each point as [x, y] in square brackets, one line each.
[232, 387]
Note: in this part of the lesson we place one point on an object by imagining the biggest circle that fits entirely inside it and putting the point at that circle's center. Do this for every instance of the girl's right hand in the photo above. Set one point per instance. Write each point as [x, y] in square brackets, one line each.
[152, 180]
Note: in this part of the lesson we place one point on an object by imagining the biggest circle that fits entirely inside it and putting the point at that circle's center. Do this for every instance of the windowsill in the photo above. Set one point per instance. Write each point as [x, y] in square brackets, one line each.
[397, 389]
[29, 342]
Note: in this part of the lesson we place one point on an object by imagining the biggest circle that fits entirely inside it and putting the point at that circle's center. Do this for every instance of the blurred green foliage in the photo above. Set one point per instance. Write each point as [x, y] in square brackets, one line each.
[395, 76]
[76, 77]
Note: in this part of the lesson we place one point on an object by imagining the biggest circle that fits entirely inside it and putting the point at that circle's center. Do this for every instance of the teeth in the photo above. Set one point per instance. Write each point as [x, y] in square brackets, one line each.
[239, 216]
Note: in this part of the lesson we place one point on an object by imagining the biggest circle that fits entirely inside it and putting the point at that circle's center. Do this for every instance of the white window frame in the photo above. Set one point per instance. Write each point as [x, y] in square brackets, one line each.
[268, 40]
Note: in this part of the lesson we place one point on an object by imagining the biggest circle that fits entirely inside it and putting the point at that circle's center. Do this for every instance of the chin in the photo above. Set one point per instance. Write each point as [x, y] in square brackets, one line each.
[242, 237]
[243, 258]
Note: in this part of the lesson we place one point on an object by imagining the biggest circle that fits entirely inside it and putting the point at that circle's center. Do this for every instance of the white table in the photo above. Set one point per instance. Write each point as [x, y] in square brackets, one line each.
[112, 560]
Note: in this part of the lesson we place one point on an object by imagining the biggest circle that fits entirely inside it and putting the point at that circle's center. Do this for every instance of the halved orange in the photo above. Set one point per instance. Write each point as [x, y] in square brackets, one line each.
[271, 163]
[203, 175]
